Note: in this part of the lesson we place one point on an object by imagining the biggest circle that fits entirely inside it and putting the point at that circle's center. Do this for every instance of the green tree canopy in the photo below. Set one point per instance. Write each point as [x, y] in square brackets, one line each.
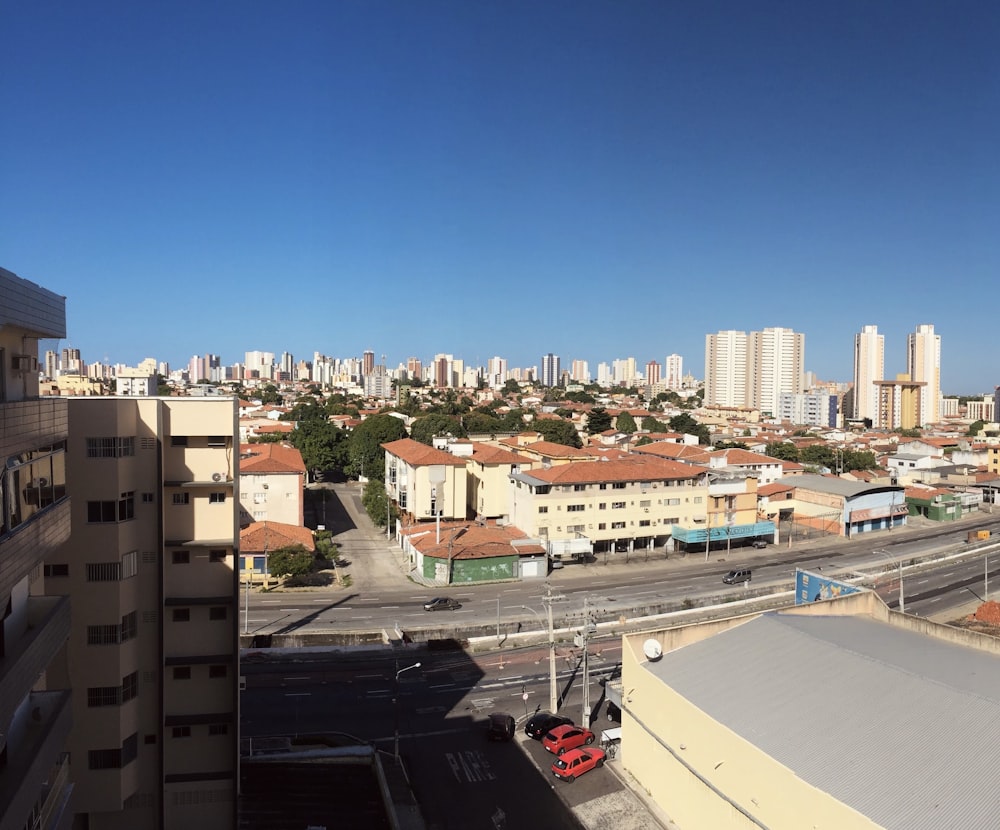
[625, 423]
[782, 450]
[364, 446]
[478, 423]
[975, 428]
[598, 420]
[293, 560]
[376, 503]
[558, 432]
[687, 425]
[269, 394]
[323, 445]
[511, 387]
[650, 424]
[424, 429]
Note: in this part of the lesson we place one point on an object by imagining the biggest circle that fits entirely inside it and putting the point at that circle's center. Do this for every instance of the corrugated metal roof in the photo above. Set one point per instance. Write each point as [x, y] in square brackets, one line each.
[902, 727]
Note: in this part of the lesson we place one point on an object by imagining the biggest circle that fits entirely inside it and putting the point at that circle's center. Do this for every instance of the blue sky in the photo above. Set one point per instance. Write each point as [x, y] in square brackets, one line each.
[597, 180]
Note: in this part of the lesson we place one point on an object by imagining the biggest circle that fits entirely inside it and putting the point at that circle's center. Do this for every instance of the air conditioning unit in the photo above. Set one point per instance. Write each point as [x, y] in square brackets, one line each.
[218, 476]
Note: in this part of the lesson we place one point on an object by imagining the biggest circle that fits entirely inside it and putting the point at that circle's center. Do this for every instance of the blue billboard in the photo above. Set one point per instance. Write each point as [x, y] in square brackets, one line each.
[810, 587]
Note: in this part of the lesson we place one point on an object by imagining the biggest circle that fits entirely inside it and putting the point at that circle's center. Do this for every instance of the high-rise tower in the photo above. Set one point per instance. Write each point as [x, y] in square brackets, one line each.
[923, 365]
[869, 367]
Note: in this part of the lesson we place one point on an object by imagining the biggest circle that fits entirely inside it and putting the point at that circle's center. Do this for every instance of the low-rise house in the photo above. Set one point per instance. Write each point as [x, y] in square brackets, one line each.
[766, 469]
[835, 506]
[272, 484]
[425, 483]
[469, 552]
[259, 540]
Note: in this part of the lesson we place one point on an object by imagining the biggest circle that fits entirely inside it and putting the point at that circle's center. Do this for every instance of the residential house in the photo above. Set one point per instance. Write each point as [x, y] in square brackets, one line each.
[260, 539]
[425, 483]
[272, 484]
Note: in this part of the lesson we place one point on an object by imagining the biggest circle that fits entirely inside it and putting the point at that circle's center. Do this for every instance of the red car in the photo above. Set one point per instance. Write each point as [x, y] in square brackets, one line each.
[571, 765]
[567, 736]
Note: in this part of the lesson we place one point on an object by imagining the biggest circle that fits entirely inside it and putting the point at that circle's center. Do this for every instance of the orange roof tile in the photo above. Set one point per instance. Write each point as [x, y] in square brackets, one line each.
[420, 455]
[635, 468]
[261, 459]
[261, 536]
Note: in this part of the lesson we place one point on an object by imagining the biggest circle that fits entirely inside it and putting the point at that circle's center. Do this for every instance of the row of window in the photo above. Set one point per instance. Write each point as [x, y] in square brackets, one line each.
[543, 531]
[215, 613]
[115, 758]
[213, 498]
[215, 672]
[128, 567]
[544, 489]
[107, 635]
[114, 447]
[213, 729]
[114, 695]
[618, 505]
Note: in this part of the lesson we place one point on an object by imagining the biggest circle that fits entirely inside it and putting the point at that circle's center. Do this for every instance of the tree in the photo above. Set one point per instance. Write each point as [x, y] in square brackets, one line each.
[426, 428]
[376, 502]
[269, 394]
[625, 423]
[478, 423]
[650, 424]
[782, 450]
[686, 425]
[558, 432]
[976, 428]
[511, 387]
[598, 420]
[364, 446]
[323, 445]
[293, 560]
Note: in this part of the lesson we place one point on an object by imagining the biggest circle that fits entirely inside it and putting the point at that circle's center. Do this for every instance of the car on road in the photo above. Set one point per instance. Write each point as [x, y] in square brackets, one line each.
[442, 604]
[561, 739]
[572, 764]
[759, 543]
[736, 576]
[500, 726]
[542, 722]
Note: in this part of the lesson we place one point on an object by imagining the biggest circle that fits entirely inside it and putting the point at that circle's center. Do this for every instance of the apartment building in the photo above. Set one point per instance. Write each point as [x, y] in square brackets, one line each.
[612, 505]
[775, 365]
[726, 369]
[36, 712]
[152, 656]
[272, 484]
[425, 482]
[923, 365]
[869, 367]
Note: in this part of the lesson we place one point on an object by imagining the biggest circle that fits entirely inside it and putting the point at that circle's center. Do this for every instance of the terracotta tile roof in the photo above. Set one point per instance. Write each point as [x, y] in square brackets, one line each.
[771, 489]
[468, 540]
[669, 449]
[551, 449]
[489, 454]
[260, 536]
[735, 455]
[634, 468]
[270, 428]
[420, 455]
[260, 459]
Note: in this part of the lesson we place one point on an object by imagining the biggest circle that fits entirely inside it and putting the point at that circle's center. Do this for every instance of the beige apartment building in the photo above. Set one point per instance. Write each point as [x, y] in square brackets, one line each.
[591, 506]
[425, 482]
[35, 707]
[272, 484]
[152, 655]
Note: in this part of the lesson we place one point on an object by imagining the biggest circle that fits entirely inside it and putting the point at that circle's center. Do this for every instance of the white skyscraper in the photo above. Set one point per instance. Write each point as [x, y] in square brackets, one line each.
[674, 375]
[726, 369]
[550, 370]
[923, 364]
[775, 364]
[496, 372]
[869, 366]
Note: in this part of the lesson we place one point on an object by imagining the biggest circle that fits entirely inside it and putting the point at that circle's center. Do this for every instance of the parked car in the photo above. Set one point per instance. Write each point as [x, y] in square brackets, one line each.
[572, 764]
[760, 543]
[559, 739]
[500, 726]
[542, 722]
[737, 575]
[442, 604]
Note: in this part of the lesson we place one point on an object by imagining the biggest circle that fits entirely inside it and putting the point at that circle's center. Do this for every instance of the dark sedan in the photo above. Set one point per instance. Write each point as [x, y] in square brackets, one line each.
[541, 722]
[442, 604]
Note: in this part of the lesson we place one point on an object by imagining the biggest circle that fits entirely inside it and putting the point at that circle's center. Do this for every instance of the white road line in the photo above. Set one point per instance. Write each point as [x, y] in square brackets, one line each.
[388, 607]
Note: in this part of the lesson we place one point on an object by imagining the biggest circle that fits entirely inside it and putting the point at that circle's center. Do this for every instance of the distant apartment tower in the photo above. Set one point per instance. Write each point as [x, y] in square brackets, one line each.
[899, 403]
[443, 371]
[287, 364]
[775, 365]
[196, 369]
[580, 371]
[652, 373]
[869, 367]
[414, 368]
[604, 376]
[153, 653]
[817, 409]
[496, 372]
[674, 375]
[923, 365]
[550, 371]
[367, 362]
[625, 371]
[726, 369]
[996, 404]
[51, 365]
[36, 712]
[259, 365]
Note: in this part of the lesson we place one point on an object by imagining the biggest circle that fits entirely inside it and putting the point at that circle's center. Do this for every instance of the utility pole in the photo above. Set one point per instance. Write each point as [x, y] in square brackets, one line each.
[586, 663]
[553, 694]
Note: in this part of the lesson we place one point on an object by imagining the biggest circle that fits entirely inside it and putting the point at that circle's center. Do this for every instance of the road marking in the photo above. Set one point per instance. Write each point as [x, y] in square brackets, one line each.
[297, 678]
[441, 686]
[270, 601]
[470, 765]
[389, 607]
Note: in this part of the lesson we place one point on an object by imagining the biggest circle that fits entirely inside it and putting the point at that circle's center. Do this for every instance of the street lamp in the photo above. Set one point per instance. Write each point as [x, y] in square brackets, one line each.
[553, 694]
[885, 554]
[395, 700]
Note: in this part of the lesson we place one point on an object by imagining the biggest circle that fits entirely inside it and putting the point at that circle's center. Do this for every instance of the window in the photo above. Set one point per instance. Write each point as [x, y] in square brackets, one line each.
[673, 520]
[182, 673]
[261, 515]
[178, 441]
[617, 505]
[216, 498]
[218, 612]
[576, 528]
[181, 557]
[129, 626]
[617, 525]
[32, 481]
[259, 498]
[182, 732]
[182, 498]
[115, 758]
[645, 503]
[182, 615]
[543, 509]
[618, 485]
[218, 671]
[216, 440]
[602, 526]
[105, 512]
[402, 498]
[130, 687]
[103, 696]
[147, 498]
[117, 447]
[218, 729]
[602, 486]
[643, 522]
[113, 571]
[102, 635]
[217, 556]
[602, 506]
[579, 487]
[56, 570]
[574, 508]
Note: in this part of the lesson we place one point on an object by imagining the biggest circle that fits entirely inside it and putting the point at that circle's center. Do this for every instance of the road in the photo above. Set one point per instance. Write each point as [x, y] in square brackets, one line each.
[383, 596]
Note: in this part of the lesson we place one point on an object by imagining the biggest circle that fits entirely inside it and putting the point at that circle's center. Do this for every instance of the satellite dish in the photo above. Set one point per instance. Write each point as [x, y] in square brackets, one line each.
[652, 649]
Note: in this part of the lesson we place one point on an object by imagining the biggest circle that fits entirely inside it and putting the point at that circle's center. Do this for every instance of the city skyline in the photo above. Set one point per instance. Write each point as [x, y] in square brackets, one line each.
[342, 177]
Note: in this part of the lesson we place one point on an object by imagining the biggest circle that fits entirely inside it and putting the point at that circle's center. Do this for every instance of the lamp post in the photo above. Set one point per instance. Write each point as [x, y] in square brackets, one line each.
[395, 700]
[553, 695]
[885, 555]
